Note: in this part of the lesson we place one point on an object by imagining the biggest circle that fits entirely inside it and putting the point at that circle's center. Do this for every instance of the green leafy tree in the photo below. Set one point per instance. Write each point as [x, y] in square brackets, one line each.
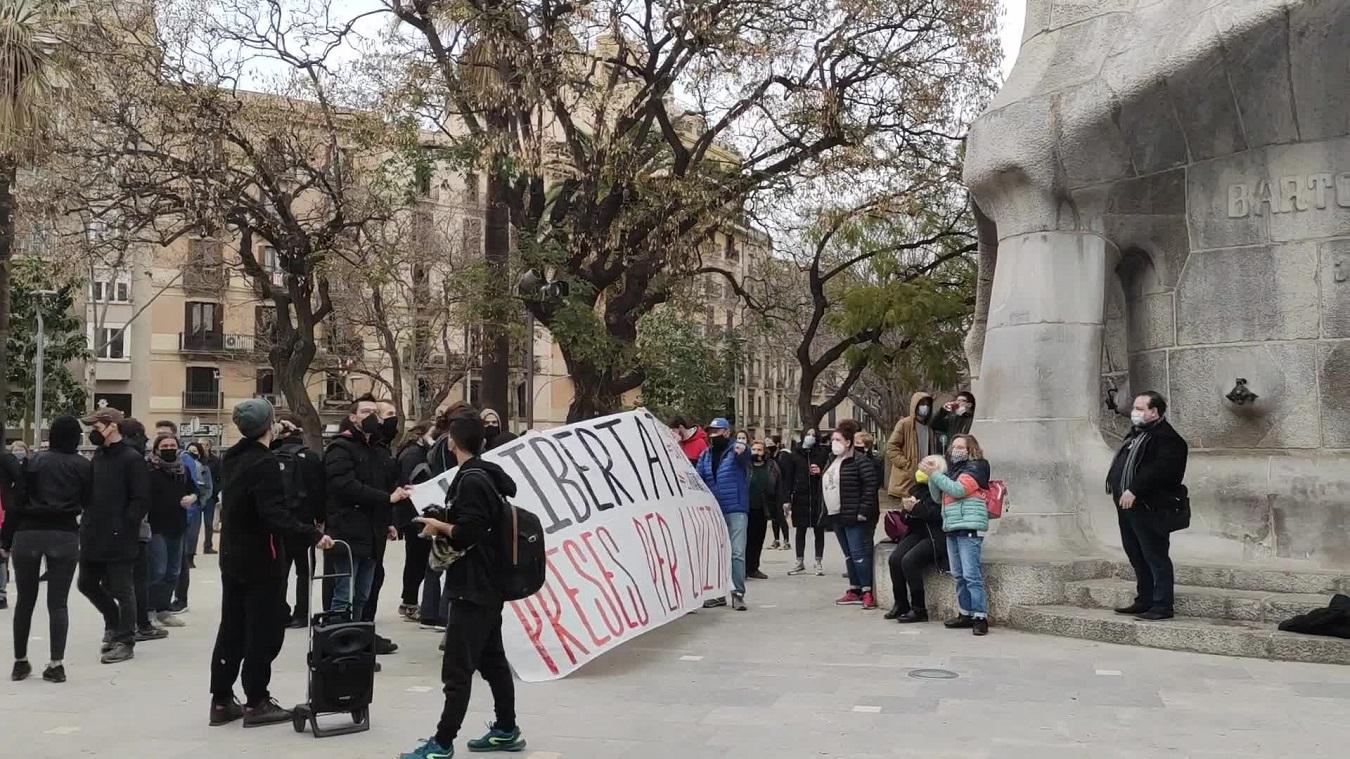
[686, 373]
[62, 392]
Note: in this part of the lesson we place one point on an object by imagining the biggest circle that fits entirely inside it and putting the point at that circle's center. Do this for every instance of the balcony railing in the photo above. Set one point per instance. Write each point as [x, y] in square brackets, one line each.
[198, 400]
[276, 399]
[215, 342]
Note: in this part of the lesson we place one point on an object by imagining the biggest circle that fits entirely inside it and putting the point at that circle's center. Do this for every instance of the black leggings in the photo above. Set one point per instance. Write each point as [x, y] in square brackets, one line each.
[414, 564]
[801, 541]
[780, 526]
[912, 554]
[62, 551]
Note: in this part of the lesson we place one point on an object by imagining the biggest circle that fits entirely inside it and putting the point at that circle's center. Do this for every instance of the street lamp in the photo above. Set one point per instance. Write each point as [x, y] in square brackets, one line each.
[534, 286]
[39, 295]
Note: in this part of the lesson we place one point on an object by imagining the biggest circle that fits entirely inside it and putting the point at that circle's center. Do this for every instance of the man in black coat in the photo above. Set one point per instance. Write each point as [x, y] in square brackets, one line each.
[119, 498]
[360, 502]
[1145, 483]
[303, 475]
[253, 566]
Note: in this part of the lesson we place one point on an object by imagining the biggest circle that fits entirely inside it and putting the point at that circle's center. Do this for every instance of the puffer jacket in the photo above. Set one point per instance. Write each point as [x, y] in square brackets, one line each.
[858, 486]
[730, 482]
[962, 491]
[359, 483]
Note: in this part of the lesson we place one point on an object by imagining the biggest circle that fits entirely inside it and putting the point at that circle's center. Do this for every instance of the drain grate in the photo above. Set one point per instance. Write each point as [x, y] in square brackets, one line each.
[933, 674]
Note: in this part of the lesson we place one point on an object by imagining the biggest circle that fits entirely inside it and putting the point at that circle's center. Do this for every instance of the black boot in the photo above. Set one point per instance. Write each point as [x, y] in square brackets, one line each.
[912, 616]
[896, 612]
[959, 622]
[981, 626]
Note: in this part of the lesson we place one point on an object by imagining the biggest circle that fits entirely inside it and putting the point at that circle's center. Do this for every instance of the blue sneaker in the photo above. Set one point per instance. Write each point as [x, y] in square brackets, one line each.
[498, 740]
[429, 750]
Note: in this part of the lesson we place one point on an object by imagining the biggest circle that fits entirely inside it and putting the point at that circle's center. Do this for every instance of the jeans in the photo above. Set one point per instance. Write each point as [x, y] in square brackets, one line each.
[963, 552]
[250, 636]
[1147, 542]
[856, 541]
[209, 520]
[364, 576]
[193, 532]
[737, 526]
[473, 643]
[911, 556]
[166, 561]
[62, 552]
[140, 575]
[111, 587]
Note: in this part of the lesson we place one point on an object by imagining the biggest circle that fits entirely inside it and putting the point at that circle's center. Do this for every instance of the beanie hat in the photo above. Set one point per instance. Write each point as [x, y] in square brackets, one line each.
[253, 417]
[65, 434]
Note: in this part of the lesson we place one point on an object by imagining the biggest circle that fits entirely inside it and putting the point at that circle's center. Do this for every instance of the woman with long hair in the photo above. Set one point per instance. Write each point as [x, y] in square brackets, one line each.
[965, 518]
[172, 494]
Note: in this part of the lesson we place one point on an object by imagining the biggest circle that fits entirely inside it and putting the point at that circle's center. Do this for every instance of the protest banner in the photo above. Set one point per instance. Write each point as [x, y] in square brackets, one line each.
[634, 538]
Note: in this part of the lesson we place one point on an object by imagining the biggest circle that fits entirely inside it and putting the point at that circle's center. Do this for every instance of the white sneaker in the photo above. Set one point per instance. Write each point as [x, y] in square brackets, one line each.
[167, 619]
[774, 547]
[820, 569]
[800, 570]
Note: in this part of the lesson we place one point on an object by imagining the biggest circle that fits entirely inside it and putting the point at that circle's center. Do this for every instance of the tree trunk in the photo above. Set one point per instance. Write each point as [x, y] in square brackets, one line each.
[7, 174]
[292, 352]
[498, 308]
[593, 395]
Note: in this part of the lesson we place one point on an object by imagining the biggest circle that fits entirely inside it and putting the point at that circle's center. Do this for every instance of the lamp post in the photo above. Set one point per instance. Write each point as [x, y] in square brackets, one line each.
[531, 286]
[38, 368]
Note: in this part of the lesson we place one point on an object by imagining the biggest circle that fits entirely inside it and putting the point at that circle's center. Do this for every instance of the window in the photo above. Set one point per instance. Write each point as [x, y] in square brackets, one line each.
[731, 252]
[471, 241]
[264, 318]
[110, 289]
[202, 389]
[206, 252]
[334, 385]
[96, 231]
[422, 180]
[270, 262]
[110, 341]
[471, 189]
[264, 384]
[202, 325]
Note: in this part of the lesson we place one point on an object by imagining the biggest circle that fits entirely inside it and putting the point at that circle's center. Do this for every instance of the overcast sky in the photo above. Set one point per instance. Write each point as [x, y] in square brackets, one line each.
[1014, 13]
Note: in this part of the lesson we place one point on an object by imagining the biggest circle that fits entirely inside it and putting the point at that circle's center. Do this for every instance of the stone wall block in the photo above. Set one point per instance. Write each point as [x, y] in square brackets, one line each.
[1067, 12]
[1284, 375]
[1149, 322]
[1320, 62]
[1310, 184]
[1256, 51]
[1334, 279]
[1220, 201]
[1247, 294]
[1204, 101]
[1333, 369]
[1092, 148]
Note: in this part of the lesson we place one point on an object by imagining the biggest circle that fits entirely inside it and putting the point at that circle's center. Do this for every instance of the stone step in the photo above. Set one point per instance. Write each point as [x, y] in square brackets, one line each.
[1252, 578]
[1198, 601]
[1199, 634]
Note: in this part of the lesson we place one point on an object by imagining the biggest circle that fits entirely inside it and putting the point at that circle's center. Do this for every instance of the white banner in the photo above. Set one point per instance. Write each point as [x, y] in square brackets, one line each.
[634, 538]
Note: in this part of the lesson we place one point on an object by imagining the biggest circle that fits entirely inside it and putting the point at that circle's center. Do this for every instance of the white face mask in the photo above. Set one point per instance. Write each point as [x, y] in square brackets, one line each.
[809, 441]
[838, 447]
[1137, 418]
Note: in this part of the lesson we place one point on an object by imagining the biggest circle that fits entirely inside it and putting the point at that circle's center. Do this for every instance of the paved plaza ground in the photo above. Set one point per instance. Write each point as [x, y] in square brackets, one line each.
[795, 677]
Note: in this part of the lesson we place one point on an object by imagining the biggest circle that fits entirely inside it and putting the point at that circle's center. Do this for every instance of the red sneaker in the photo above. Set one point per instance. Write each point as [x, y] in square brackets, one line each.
[869, 601]
[851, 598]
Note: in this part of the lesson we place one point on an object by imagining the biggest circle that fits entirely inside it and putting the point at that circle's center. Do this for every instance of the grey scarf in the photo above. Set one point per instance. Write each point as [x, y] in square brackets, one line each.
[1132, 461]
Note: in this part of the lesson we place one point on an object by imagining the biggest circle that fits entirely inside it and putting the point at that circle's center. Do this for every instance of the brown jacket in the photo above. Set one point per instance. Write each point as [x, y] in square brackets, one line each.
[902, 450]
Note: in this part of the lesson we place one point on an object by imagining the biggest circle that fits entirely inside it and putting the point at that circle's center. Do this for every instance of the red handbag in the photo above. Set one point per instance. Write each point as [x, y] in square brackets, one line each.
[896, 527]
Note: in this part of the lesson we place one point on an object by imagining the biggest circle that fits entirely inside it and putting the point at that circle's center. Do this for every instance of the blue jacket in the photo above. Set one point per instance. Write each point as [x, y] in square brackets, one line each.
[732, 484]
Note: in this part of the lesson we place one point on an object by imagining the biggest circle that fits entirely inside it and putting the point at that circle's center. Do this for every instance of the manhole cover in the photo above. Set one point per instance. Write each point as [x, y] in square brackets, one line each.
[933, 674]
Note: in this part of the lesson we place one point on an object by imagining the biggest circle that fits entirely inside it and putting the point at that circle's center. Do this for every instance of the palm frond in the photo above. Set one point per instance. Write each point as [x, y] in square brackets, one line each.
[26, 52]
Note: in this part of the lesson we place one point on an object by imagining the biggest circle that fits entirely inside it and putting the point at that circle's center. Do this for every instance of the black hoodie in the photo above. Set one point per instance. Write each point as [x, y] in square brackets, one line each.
[255, 520]
[475, 509]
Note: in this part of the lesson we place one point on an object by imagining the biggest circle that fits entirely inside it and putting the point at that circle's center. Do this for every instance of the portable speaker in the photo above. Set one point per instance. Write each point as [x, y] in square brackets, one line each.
[342, 666]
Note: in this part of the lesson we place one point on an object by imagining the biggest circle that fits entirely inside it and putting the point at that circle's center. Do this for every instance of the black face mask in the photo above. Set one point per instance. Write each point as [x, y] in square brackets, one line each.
[96, 438]
[389, 428]
[169, 454]
[759, 458]
[371, 425]
[491, 431]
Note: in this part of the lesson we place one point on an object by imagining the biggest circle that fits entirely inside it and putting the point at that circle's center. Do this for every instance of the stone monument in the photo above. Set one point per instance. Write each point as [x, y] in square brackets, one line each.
[1164, 188]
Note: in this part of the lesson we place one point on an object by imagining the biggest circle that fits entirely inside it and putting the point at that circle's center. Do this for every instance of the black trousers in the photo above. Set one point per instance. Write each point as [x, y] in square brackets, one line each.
[62, 552]
[754, 540]
[142, 577]
[373, 600]
[111, 587]
[473, 642]
[297, 555]
[780, 525]
[180, 593]
[801, 541]
[418, 552]
[252, 628]
[1147, 542]
[911, 555]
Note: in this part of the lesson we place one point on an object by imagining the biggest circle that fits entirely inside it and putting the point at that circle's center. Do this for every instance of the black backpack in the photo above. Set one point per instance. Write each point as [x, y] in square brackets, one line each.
[293, 479]
[521, 561]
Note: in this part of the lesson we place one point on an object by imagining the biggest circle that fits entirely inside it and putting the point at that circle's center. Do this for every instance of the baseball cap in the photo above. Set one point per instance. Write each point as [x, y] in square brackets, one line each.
[720, 423]
[106, 415]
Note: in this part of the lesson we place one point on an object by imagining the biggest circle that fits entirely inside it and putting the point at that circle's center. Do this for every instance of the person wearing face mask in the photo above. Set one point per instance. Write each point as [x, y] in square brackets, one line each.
[119, 497]
[801, 495]
[765, 500]
[134, 434]
[360, 498]
[954, 418]
[302, 475]
[965, 518]
[725, 469]
[172, 493]
[692, 439]
[413, 470]
[850, 490]
[782, 539]
[911, 440]
[382, 445]
[1145, 481]
[19, 450]
[493, 434]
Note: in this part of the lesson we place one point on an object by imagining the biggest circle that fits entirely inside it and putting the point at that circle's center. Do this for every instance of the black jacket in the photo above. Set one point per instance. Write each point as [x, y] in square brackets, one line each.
[1160, 467]
[313, 507]
[56, 486]
[11, 495]
[800, 487]
[413, 469]
[167, 515]
[119, 498]
[858, 486]
[359, 511]
[475, 509]
[255, 521]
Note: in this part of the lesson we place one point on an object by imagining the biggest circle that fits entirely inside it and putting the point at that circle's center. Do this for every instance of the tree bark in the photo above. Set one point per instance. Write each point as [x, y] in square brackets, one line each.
[7, 174]
[496, 345]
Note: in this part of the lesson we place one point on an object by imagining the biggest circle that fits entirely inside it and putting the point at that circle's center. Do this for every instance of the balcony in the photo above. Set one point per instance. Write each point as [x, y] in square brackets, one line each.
[204, 277]
[215, 342]
[199, 400]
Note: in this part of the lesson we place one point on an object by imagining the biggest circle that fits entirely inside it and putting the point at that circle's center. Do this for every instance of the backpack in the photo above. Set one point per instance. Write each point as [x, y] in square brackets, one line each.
[521, 561]
[993, 498]
[293, 479]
